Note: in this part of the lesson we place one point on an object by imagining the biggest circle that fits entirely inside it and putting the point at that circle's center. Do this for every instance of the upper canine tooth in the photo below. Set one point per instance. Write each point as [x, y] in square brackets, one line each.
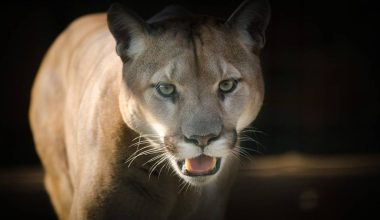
[213, 163]
[187, 164]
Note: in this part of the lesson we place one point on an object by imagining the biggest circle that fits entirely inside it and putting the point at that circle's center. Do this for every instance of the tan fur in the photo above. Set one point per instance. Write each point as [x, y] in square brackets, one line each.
[85, 114]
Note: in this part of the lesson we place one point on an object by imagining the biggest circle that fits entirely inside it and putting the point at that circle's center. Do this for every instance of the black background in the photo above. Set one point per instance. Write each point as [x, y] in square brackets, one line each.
[322, 93]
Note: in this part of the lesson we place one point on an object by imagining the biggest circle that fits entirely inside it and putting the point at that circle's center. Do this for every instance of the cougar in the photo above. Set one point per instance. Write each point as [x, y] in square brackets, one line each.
[150, 130]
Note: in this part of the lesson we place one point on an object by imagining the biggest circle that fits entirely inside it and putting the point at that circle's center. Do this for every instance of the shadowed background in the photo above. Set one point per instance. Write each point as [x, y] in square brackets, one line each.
[322, 93]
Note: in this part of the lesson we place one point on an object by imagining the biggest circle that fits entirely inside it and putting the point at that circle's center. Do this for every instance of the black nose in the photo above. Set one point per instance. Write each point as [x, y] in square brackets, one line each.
[201, 140]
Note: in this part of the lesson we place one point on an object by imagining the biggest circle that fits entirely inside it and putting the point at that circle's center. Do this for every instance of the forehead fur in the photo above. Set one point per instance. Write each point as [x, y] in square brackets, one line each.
[201, 42]
[196, 32]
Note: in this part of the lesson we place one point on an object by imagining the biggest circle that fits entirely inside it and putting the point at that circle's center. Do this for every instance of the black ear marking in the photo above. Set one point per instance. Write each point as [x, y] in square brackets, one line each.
[125, 26]
[251, 17]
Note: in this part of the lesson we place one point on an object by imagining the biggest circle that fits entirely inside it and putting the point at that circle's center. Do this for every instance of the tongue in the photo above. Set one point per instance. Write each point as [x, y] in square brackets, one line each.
[200, 164]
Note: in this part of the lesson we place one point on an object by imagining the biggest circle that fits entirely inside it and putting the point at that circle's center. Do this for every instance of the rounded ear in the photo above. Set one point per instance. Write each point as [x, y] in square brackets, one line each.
[251, 19]
[128, 29]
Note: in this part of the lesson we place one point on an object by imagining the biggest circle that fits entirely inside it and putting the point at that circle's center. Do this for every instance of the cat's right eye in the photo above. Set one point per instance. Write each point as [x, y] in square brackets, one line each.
[166, 90]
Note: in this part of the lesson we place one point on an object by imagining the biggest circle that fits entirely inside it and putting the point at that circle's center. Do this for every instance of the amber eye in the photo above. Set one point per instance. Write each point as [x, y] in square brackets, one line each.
[165, 89]
[227, 86]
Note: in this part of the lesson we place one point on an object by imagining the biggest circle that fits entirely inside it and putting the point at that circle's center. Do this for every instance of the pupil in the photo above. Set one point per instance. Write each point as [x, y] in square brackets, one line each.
[226, 85]
[167, 89]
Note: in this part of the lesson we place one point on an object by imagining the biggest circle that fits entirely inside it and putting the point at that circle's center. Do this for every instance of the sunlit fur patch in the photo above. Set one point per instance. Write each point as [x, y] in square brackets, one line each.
[159, 128]
[137, 46]
[219, 148]
[187, 150]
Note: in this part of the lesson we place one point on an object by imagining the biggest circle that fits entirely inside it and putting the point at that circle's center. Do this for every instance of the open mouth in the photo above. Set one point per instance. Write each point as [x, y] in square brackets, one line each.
[202, 165]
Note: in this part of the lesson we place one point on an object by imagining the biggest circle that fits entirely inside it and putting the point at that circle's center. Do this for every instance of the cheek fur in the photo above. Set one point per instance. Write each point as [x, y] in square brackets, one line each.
[250, 111]
[235, 105]
[159, 113]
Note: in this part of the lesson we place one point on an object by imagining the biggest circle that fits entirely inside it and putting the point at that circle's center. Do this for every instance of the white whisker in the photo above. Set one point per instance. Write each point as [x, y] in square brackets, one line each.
[142, 151]
[154, 166]
[152, 159]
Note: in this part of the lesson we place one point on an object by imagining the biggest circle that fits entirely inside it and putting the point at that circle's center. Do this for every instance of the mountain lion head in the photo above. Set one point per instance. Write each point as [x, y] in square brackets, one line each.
[191, 83]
